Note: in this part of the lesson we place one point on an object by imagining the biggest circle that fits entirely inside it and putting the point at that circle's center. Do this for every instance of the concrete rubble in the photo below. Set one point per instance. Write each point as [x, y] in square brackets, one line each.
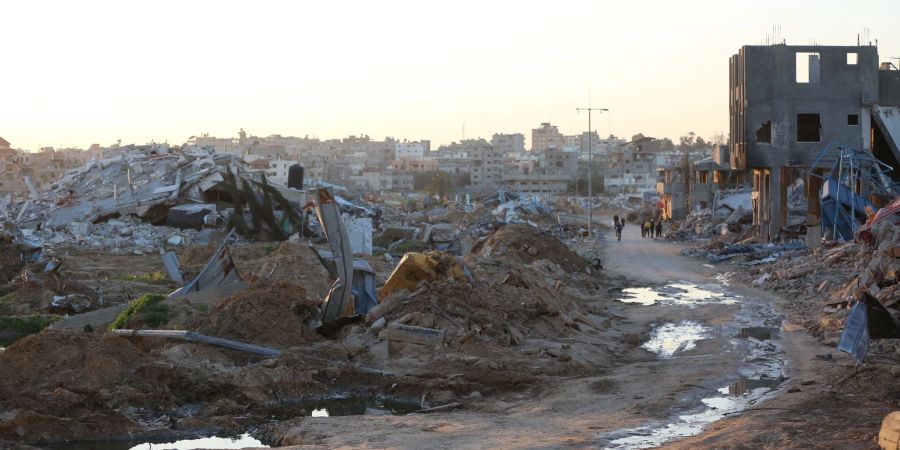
[499, 312]
[824, 281]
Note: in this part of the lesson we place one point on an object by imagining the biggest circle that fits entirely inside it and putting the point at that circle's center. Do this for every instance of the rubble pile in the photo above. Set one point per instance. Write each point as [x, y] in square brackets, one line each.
[124, 235]
[526, 244]
[145, 199]
[828, 279]
[705, 224]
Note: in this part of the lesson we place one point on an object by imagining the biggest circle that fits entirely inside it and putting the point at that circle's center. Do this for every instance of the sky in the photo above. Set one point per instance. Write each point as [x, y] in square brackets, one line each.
[77, 73]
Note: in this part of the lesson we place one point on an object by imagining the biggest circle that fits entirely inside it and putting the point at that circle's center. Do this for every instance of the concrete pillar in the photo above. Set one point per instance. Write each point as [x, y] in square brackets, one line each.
[777, 201]
[814, 208]
[786, 180]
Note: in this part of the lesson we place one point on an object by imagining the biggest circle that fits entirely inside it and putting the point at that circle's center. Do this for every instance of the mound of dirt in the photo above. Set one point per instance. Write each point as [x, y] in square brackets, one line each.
[198, 255]
[296, 263]
[525, 244]
[267, 313]
[73, 361]
[524, 305]
[10, 259]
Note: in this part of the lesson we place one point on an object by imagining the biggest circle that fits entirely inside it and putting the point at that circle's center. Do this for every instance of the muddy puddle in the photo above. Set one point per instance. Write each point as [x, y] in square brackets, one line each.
[217, 442]
[683, 294]
[753, 333]
[349, 406]
[325, 407]
[668, 339]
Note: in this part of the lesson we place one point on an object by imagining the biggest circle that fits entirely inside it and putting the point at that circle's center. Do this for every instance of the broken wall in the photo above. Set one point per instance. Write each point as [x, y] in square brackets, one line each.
[786, 104]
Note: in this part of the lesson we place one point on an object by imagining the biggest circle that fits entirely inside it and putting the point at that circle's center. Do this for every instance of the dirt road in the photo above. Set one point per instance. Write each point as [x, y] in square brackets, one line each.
[646, 398]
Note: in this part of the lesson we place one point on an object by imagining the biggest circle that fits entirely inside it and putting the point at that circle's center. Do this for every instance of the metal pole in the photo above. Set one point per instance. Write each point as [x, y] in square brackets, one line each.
[590, 169]
[590, 180]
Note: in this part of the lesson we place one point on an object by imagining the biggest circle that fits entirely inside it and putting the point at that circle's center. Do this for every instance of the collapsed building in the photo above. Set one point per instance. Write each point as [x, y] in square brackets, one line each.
[788, 103]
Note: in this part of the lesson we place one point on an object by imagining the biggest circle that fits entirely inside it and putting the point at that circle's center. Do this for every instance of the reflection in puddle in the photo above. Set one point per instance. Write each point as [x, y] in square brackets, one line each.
[748, 386]
[678, 294]
[740, 396]
[644, 296]
[670, 338]
[759, 333]
[755, 336]
[242, 441]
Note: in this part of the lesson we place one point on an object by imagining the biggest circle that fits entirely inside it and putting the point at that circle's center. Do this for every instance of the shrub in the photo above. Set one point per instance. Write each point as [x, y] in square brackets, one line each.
[139, 306]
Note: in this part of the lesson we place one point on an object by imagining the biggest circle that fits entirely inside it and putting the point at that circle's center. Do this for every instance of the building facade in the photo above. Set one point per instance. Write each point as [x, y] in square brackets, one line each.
[786, 104]
[547, 137]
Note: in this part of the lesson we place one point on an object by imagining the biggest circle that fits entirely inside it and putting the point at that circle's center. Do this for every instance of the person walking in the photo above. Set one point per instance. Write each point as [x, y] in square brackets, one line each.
[659, 229]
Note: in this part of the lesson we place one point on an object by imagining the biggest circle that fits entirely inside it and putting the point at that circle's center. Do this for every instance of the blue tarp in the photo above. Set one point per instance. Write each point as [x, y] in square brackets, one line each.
[868, 319]
[855, 337]
[842, 207]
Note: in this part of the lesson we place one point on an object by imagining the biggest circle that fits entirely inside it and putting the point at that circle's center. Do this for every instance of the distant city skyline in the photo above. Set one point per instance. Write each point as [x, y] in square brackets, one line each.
[99, 71]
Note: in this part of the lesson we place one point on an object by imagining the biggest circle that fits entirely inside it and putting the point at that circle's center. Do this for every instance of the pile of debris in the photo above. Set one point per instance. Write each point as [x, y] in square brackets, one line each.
[151, 197]
[123, 235]
[831, 278]
[526, 244]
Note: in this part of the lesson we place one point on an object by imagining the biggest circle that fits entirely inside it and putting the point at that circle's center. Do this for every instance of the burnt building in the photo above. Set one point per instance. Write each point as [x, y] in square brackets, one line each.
[786, 104]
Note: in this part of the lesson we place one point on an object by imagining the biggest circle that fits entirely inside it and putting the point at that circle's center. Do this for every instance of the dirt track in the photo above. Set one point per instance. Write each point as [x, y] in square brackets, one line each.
[638, 389]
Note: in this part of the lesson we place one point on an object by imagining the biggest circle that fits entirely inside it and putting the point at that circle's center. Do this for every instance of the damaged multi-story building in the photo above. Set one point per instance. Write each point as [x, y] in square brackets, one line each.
[787, 103]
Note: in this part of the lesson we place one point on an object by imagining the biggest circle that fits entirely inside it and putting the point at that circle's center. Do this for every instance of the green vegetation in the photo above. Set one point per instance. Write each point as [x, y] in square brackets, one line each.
[439, 184]
[9, 298]
[26, 324]
[150, 277]
[146, 308]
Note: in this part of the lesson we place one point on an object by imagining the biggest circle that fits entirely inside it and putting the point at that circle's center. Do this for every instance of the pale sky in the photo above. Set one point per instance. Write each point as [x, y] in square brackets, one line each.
[73, 73]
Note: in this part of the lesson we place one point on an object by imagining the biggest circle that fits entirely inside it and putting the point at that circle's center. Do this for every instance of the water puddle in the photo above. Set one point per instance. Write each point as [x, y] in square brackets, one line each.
[242, 441]
[687, 294]
[734, 398]
[755, 330]
[338, 405]
[670, 338]
[758, 333]
[749, 386]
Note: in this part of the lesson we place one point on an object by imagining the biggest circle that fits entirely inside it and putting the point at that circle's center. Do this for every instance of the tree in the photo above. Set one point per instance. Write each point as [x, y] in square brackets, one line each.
[439, 185]
[686, 142]
[700, 143]
[666, 144]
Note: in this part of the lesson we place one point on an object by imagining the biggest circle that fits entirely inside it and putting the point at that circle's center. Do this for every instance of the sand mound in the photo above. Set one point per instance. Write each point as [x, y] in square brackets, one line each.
[198, 255]
[296, 263]
[73, 361]
[525, 244]
[503, 314]
[268, 313]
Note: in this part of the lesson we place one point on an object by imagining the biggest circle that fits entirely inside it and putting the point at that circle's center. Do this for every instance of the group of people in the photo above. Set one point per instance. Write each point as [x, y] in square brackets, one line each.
[651, 229]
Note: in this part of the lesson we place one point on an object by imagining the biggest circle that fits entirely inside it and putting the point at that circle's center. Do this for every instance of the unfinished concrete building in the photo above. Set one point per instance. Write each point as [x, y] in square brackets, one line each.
[786, 104]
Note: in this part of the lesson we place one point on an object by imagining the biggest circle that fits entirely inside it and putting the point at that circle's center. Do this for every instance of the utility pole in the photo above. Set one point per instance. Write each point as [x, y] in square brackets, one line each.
[590, 169]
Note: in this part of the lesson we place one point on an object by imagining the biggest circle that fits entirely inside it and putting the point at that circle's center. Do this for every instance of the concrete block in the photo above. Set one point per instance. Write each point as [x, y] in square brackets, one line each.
[414, 335]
